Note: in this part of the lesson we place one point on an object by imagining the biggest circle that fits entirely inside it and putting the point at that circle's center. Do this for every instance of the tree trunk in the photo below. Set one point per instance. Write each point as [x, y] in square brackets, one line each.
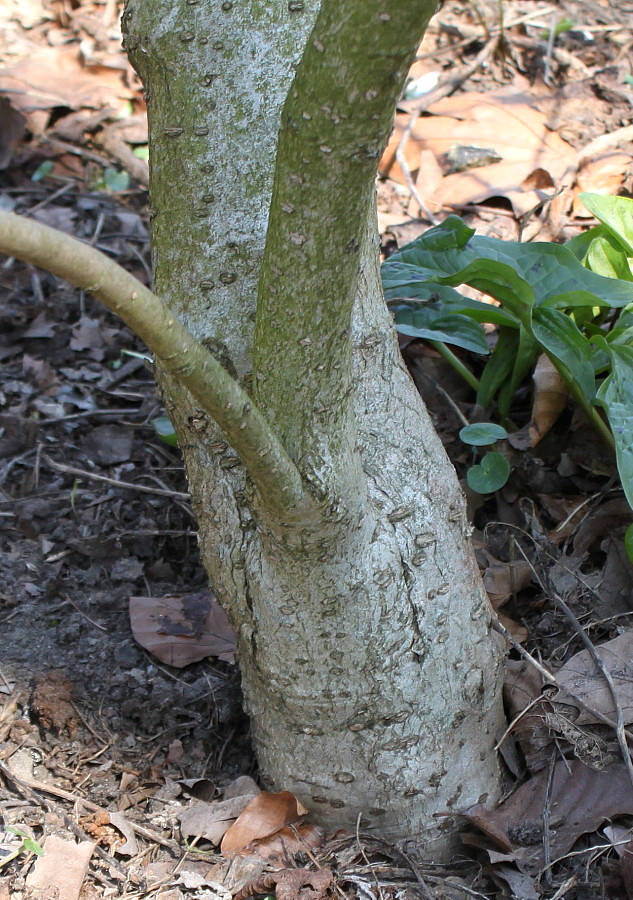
[369, 669]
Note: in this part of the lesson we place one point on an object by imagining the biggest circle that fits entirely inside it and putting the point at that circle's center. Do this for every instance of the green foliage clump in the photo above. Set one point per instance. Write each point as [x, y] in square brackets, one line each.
[573, 302]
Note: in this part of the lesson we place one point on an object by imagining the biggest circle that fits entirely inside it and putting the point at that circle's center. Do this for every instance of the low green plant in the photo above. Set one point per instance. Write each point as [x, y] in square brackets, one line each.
[573, 302]
[493, 470]
[27, 845]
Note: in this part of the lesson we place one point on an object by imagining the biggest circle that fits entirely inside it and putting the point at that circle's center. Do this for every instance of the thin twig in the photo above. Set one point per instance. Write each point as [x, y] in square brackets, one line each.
[31, 785]
[546, 817]
[550, 678]
[92, 476]
[598, 662]
[29, 789]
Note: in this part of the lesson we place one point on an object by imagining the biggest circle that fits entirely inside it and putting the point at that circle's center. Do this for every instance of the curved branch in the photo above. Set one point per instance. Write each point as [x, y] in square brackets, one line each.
[179, 353]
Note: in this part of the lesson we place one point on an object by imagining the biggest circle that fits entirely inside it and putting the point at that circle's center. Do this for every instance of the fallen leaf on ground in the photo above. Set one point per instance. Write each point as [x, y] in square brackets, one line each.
[62, 868]
[12, 129]
[603, 175]
[211, 820]
[53, 77]
[290, 884]
[182, 629]
[286, 842]
[130, 846]
[504, 121]
[503, 580]
[264, 815]
[582, 799]
[581, 676]
[603, 520]
[522, 687]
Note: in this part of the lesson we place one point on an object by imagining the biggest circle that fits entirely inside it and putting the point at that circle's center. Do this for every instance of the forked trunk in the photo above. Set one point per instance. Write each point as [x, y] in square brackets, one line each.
[369, 669]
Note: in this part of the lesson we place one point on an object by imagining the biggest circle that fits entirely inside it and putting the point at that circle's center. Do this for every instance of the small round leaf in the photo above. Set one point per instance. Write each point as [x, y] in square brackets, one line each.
[482, 433]
[490, 475]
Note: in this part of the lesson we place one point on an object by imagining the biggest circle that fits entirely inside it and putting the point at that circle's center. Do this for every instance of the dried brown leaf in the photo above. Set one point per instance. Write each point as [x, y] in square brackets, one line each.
[522, 686]
[581, 677]
[286, 842]
[62, 868]
[264, 815]
[182, 629]
[549, 401]
[503, 580]
[582, 799]
[505, 121]
[211, 820]
[53, 77]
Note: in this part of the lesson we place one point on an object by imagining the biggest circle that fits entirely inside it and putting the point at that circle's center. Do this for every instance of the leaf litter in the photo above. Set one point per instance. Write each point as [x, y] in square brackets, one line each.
[124, 719]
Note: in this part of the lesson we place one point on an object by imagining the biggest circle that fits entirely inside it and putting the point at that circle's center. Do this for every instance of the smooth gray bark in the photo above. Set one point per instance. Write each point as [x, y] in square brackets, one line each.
[369, 668]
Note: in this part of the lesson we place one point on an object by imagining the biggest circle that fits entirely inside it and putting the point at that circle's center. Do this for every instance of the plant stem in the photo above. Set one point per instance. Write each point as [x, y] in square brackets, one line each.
[175, 348]
[456, 363]
[590, 411]
[335, 123]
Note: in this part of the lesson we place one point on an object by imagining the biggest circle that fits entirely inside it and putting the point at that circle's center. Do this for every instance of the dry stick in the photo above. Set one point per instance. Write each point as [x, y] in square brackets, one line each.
[27, 790]
[29, 786]
[275, 475]
[598, 662]
[546, 817]
[438, 93]
[551, 679]
[92, 476]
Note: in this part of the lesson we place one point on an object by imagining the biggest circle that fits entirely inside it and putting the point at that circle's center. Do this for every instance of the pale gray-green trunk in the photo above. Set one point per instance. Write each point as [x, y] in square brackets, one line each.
[369, 669]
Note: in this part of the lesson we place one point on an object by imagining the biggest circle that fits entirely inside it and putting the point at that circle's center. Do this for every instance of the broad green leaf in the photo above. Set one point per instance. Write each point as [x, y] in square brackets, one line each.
[581, 243]
[568, 349]
[500, 280]
[490, 475]
[553, 273]
[406, 280]
[616, 213]
[481, 434]
[457, 330]
[607, 256]
[446, 299]
[616, 398]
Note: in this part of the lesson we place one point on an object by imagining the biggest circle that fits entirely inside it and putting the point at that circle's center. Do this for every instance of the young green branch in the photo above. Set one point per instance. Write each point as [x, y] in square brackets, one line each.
[178, 352]
[335, 124]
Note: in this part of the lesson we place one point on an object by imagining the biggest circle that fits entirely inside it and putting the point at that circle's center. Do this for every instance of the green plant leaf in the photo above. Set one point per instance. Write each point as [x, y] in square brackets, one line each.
[581, 243]
[490, 475]
[116, 181]
[616, 398]
[568, 349]
[498, 369]
[424, 322]
[615, 213]
[607, 256]
[481, 434]
[527, 353]
[398, 286]
[44, 169]
[165, 430]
